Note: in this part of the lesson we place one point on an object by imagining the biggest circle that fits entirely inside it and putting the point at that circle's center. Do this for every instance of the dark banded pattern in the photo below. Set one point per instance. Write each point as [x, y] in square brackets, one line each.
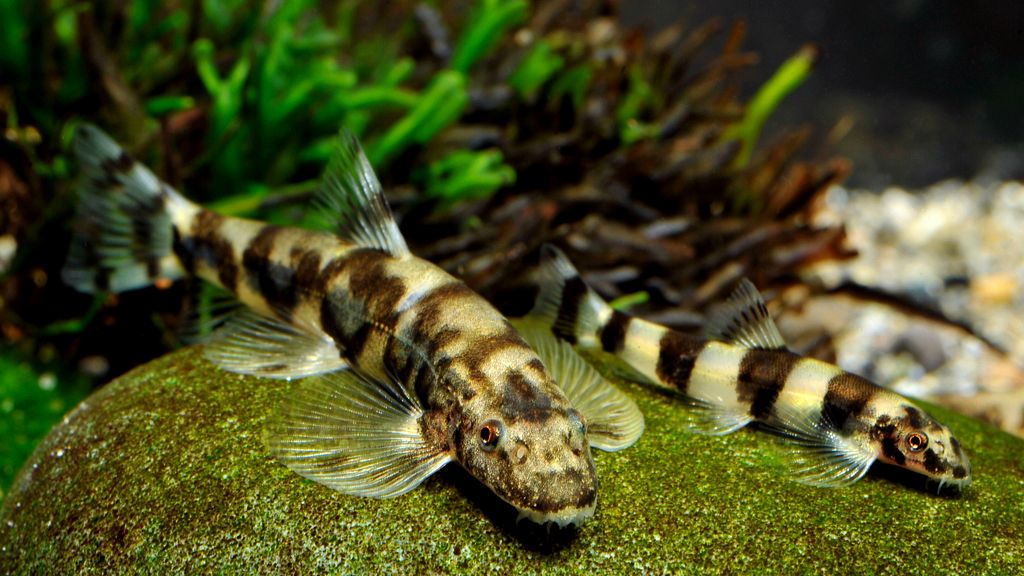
[273, 280]
[761, 377]
[677, 354]
[364, 323]
[573, 293]
[307, 266]
[613, 333]
[845, 399]
[206, 243]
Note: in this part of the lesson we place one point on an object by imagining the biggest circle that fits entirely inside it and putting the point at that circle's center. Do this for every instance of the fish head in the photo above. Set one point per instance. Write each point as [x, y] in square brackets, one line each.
[537, 459]
[916, 441]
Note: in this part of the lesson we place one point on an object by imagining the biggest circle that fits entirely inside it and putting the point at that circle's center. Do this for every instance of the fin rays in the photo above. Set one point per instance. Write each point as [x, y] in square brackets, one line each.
[350, 197]
[744, 319]
[614, 422]
[251, 343]
[820, 455]
[123, 233]
[355, 434]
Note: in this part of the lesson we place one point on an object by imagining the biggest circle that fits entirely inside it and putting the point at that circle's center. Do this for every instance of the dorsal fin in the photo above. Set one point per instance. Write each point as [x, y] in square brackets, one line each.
[351, 199]
[744, 319]
[566, 304]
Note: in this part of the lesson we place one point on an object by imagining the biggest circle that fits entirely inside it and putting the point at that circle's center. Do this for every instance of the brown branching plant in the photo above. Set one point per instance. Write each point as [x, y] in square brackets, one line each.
[495, 127]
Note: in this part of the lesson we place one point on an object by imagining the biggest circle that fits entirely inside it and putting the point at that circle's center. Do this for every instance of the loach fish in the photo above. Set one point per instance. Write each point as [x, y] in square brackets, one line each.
[840, 423]
[404, 367]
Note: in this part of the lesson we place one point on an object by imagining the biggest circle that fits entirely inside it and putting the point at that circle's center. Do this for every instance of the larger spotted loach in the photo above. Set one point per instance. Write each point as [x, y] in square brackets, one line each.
[400, 368]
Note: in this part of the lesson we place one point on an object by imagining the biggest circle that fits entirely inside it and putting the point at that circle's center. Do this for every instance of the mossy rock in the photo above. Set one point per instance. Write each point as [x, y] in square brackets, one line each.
[164, 471]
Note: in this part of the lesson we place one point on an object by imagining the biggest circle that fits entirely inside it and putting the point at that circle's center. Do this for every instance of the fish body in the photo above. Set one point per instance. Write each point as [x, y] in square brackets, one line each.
[408, 368]
[841, 423]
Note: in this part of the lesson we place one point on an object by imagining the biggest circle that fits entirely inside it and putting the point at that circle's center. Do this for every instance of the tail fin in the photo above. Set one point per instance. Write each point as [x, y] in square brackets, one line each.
[574, 311]
[123, 235]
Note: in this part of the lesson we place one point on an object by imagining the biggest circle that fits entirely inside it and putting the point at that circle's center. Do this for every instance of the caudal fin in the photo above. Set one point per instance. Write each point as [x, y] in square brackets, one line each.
[572, 309]
[122, 237]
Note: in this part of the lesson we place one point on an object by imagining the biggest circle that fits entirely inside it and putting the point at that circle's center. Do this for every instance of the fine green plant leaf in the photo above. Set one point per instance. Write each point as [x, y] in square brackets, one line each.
[440, 104]
[165, 105]
[537, 67]
[785, 80]
[466, 175]
[573, 83]
[627, 301]
[493, 18]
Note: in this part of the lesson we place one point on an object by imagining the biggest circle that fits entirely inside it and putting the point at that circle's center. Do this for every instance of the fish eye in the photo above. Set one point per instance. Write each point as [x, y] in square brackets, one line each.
[917, 441]
[490, 433]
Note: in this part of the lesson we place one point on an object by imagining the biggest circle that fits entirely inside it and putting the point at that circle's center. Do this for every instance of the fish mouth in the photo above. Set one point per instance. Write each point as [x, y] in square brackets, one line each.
[568, 516]
[957, 484]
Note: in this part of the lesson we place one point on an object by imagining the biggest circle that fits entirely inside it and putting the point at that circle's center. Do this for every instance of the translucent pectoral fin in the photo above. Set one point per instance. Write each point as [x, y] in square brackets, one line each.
[251, 343]
[614, 421]
[830, 462]
[356, 434]
[820, 455]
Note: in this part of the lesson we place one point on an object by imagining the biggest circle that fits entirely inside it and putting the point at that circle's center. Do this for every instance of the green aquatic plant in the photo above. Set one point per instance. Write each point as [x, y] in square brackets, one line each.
[32, 399]
[787, 78]
[495, 126]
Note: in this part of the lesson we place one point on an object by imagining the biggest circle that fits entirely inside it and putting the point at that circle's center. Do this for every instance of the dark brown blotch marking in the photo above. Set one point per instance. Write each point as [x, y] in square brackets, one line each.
[613, 334]
[676, 357]
[204, 242]
[274, 281]
[353, 344]
[846, 397]
[519, 385]
[480, 350]
[424, 382]
[916, 418]
[307, 267]
[370, 282]
[429, 331]
[521, 400]
[885, 432]
[762, 376]
[536, 365]
[891, 449]
[933, 463]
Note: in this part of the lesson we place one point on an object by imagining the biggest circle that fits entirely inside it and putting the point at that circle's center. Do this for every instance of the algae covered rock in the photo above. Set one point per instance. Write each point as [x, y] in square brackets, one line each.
[164, 471]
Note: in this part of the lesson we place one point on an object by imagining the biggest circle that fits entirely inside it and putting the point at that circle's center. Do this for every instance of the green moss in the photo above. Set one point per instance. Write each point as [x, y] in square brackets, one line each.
[164, 471]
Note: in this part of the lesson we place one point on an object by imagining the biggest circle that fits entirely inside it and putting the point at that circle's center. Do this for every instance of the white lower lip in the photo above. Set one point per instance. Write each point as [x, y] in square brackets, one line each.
[574, 516]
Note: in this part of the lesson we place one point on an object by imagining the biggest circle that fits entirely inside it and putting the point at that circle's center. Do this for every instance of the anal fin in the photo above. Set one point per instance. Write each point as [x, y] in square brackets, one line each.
[356, 434]
[714, 420]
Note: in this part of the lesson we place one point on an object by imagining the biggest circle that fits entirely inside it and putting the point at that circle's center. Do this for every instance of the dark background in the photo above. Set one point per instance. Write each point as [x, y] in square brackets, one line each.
[935, 89]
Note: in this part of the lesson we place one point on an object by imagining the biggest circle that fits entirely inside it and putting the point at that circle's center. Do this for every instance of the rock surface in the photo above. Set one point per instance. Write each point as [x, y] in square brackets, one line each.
[164, 471]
